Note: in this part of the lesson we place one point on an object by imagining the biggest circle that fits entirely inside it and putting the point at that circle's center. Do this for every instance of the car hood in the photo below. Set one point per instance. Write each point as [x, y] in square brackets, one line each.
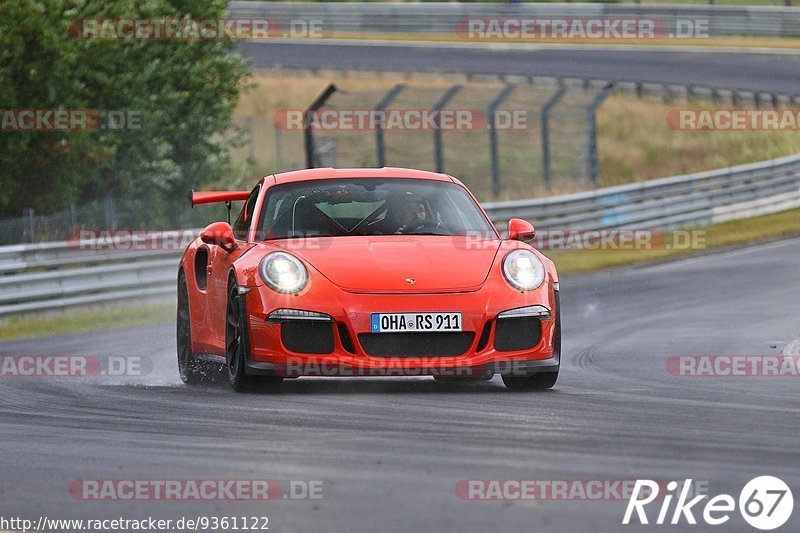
[399, 263]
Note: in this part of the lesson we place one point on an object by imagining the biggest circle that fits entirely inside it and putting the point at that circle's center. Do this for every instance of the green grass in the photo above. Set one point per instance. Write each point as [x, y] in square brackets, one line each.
[728, 234]
[106, 317]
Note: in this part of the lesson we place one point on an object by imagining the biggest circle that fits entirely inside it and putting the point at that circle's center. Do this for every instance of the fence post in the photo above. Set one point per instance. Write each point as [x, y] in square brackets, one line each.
[251, 140]
[383, 104]
[110, 216]
[591, 162]
[490, 112]
[279, 148]
[31, 222]
[545, 125]
[437, 131]
[666, 95]
[73, 216]
[307, 132]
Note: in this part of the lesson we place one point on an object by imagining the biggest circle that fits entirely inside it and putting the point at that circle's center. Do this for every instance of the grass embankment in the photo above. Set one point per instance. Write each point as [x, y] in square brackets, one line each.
[727, 234]
[105, 317]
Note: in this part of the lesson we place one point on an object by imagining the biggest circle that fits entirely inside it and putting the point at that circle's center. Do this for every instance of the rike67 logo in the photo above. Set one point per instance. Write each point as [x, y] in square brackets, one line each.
[765, 503]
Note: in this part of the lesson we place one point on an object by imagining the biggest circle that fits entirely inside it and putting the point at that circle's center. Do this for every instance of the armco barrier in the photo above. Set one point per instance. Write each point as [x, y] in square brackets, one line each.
[679, 201]
[440, 18]
[57, 275]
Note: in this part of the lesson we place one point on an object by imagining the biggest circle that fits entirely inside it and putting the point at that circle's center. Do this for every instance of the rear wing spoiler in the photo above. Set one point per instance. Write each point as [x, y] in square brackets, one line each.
[208, 197]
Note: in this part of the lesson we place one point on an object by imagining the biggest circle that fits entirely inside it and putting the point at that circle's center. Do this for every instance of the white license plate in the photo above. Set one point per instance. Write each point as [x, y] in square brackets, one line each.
[415, 322]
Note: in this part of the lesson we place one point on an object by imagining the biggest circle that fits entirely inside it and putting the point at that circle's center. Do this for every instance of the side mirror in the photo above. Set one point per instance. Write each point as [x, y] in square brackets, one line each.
[520, 230]
[219, 234]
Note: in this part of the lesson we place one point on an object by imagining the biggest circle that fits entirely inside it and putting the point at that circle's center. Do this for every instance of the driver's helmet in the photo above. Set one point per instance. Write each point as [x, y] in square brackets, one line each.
[405, 209]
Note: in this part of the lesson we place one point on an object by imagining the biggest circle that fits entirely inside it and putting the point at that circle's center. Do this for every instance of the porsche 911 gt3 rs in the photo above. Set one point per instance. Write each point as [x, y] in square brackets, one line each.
[365, 272]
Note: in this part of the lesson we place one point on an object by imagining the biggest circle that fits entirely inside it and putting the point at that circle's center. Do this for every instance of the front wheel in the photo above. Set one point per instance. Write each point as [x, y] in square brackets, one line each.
[535, 382]
[190, 367]
[236, 347]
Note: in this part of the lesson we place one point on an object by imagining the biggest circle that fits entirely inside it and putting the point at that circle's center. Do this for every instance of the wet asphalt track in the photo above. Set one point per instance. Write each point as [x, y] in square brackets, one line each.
[390, 451]
[770, 72]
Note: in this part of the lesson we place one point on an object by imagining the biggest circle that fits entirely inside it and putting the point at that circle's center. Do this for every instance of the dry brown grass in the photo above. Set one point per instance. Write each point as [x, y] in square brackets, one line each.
[636, 144]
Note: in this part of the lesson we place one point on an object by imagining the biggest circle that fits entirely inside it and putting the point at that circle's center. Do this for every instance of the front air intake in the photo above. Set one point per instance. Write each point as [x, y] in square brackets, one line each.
[514, 334]
[303, 336]
[416, 344]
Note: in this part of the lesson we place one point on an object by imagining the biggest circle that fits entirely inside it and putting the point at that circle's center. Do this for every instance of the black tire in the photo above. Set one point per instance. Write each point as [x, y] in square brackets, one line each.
[191, 369]
[236, 349]
[534, 382]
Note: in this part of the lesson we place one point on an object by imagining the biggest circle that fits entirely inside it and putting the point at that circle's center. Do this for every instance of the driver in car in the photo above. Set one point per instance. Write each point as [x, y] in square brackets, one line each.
[406, 214]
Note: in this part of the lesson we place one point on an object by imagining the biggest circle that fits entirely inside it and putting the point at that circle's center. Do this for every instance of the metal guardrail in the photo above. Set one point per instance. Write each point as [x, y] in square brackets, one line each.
[668, 203]
[58, 275]
[441, 17]
[40, 277]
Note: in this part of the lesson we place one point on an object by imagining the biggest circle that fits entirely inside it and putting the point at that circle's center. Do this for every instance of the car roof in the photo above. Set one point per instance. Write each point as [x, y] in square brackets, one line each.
[334, 173]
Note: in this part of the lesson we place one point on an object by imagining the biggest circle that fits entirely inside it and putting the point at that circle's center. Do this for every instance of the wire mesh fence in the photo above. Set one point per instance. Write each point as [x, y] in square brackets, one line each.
[58, 226]
[503, 140]
[106, 215]
[346, 146]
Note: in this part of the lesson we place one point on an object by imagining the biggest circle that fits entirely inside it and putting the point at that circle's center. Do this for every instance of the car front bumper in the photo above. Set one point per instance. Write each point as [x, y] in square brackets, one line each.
[343, 345]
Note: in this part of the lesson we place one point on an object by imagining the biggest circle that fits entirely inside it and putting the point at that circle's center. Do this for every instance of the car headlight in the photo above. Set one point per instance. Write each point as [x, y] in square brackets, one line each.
[523, 270]
[283, 272]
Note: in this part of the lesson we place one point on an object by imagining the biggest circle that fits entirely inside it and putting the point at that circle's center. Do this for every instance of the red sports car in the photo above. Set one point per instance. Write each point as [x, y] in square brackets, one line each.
[365, 272]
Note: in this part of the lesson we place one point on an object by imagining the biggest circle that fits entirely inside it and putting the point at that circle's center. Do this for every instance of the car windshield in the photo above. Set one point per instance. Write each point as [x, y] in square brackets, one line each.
[369, 206]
